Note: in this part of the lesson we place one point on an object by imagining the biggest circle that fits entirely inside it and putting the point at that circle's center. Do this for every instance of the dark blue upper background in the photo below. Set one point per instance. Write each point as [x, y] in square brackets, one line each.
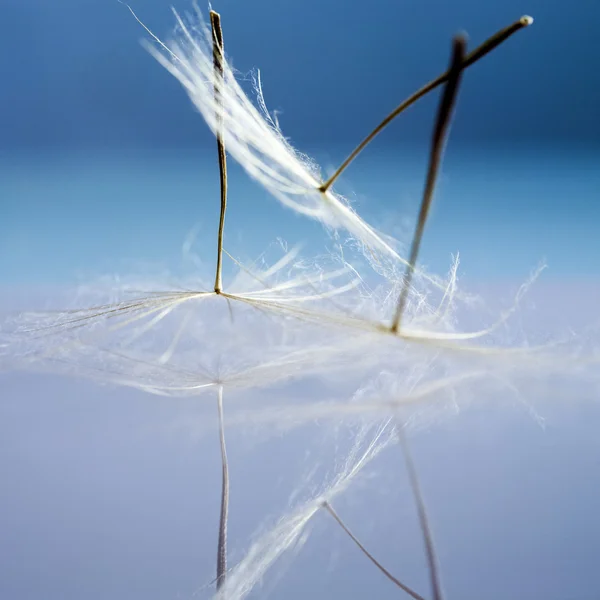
[73, 74]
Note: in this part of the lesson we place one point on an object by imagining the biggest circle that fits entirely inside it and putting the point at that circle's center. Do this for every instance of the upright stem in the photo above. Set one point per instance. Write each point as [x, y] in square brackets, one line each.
[438, 141]
[222, 543]
[218, 59]
[436, 585]
[479, 52]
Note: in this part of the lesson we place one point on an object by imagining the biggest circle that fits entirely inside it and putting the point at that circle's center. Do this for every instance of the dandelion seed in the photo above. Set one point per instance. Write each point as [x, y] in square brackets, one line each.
[255, 140]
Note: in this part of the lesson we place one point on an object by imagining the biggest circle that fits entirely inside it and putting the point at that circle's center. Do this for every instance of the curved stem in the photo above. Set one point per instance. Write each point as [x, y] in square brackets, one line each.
[479, 52]
[393, 579]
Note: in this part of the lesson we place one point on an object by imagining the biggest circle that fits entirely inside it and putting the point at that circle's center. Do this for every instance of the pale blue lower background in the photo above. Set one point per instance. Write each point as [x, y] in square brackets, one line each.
[106, 495]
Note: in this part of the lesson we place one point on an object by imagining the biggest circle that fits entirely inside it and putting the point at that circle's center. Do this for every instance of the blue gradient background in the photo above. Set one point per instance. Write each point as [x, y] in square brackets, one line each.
[104, 159]
[105, 166]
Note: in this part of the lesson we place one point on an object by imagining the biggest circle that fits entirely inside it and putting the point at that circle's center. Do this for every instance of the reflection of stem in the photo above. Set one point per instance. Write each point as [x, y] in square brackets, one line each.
[479, 52]
[440, 133]
[222, 544]
[436, 585]
[341, 523]
[218, 59]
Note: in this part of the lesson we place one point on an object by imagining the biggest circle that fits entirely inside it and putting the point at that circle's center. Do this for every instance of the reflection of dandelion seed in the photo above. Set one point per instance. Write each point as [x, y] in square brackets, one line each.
[288, 531]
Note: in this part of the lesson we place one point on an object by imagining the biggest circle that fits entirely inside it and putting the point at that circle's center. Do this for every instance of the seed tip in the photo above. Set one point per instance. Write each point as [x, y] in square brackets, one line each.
[526, 20]
[459, 42]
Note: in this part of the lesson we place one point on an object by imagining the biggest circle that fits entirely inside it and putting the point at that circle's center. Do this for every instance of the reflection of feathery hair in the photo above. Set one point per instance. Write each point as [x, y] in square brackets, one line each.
[289, 530]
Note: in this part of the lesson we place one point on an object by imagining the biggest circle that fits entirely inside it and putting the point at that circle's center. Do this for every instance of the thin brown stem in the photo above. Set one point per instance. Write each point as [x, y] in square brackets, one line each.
[222, 543]
[438, 141]
[393, 579]
[479, 52]
[434, 575]
[218, 59]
